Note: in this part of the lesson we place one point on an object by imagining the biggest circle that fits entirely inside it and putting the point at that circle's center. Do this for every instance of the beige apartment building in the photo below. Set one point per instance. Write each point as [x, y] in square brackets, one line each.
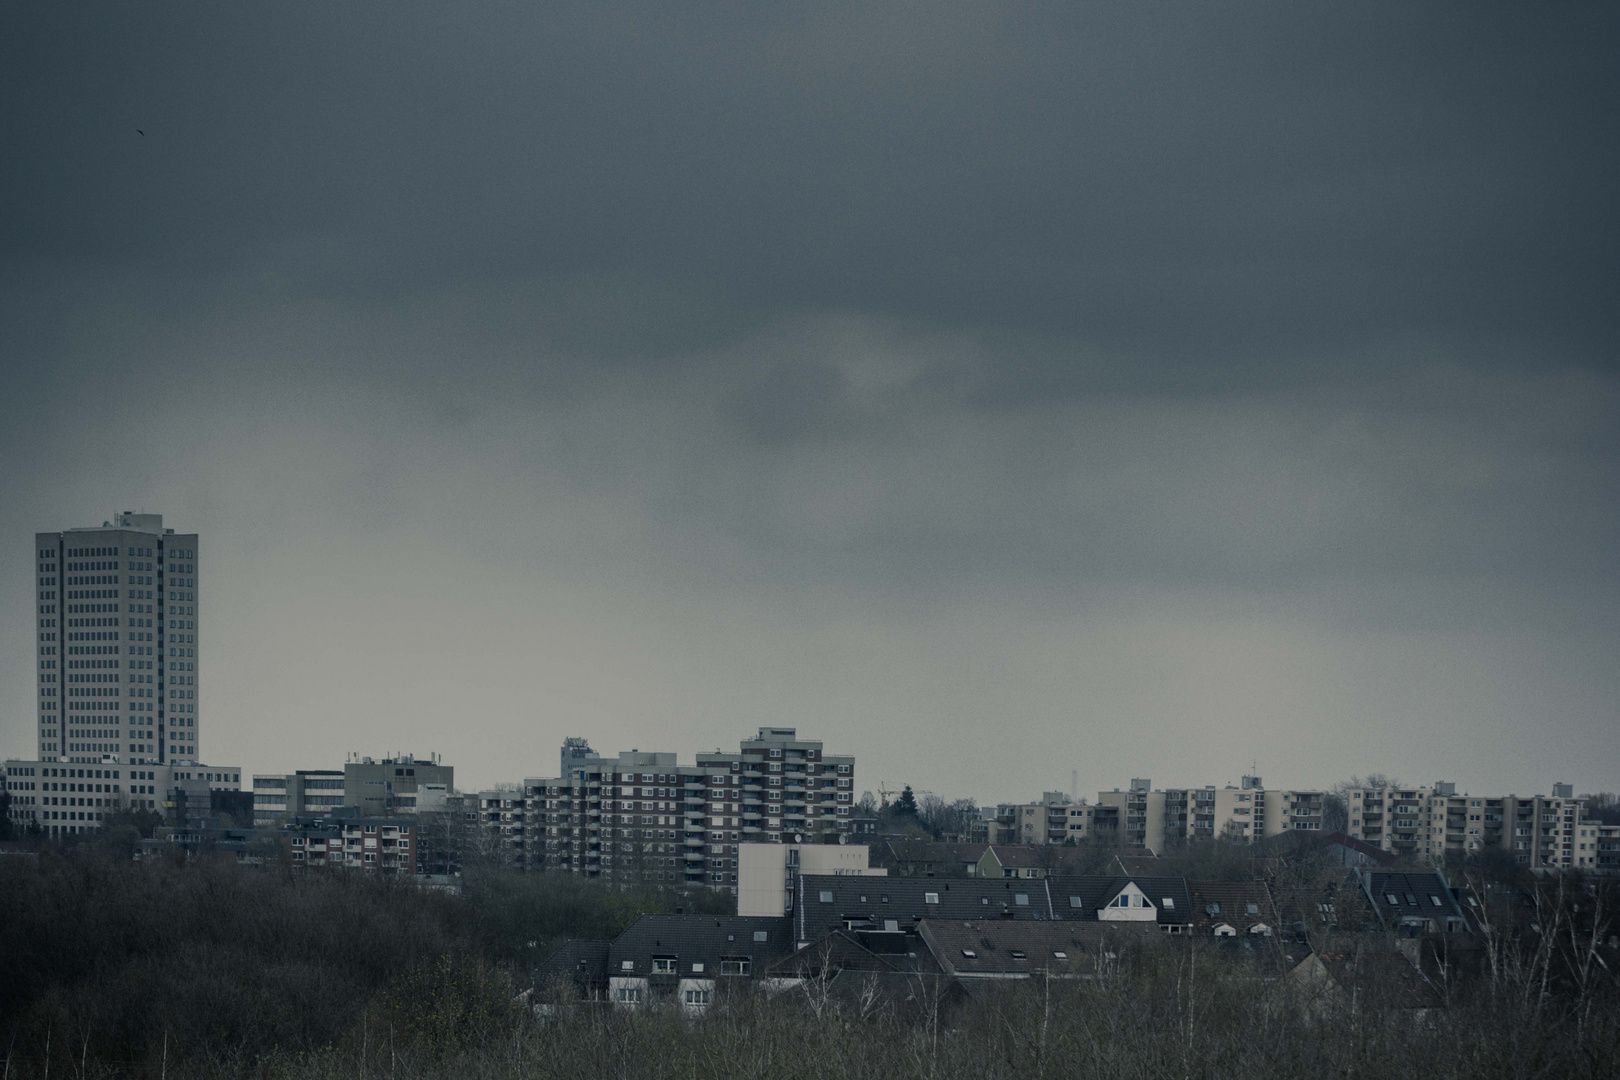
[639, 814]
[1430, 823]
[1155, 818]
[1053, 820]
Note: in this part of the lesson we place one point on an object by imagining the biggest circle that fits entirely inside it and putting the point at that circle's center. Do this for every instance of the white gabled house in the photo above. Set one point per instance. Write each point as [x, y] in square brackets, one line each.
[1129, 904]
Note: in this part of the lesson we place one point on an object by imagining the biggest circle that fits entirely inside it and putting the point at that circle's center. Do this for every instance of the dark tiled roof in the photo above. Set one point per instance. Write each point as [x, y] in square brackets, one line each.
[1395, 896]
[1239, 904]
[1148, 864]
[702, 939]
[1002, 947]
[585, 962]
[911, 851]
[1026, 856]
[1360, 847]
[1054, 858]
[843, 950]
[906, 901]
[1082, 896]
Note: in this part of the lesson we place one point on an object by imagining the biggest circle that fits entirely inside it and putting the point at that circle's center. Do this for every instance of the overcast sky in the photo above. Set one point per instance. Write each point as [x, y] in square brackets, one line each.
[994, 392]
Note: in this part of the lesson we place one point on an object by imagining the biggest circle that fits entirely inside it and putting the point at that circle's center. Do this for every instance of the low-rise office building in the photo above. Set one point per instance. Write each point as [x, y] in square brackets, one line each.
[296, 794]
[391, 785]
[67, 799]
[371, 787]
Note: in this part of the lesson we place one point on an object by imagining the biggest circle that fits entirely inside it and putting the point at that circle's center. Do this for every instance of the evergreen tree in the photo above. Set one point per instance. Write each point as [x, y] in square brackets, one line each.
[906, 804]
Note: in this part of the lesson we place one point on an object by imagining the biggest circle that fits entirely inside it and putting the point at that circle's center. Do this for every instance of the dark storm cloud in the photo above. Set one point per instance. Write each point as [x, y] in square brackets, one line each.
[1194, 181]
[1243, 367]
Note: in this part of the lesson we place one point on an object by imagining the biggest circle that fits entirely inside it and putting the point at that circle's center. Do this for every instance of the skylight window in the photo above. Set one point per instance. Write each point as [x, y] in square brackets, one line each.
[1169, 903]
[1059, 954]
[930, 897]
[969, 953]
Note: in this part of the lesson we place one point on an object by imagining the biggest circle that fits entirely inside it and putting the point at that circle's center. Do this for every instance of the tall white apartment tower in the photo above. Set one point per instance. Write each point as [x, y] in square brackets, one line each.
[119, 673]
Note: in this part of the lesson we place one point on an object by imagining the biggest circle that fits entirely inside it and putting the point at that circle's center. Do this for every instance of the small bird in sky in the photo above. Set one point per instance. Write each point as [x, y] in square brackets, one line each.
[141, 133]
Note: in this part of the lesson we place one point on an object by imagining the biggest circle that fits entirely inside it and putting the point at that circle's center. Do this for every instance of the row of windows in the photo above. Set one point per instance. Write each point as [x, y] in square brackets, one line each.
[670, 965]
[631, 995]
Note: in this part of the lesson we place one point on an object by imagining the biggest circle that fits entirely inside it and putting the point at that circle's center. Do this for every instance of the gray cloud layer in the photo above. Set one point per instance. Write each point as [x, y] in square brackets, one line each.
[997, 392]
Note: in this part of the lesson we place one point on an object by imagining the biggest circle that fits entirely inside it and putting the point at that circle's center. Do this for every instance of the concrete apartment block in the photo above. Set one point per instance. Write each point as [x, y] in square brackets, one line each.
[386, 845]
[639, 814]
[1429, 823]
[1053, 820]
[781, 789]
[118, 644]
[1153, 818]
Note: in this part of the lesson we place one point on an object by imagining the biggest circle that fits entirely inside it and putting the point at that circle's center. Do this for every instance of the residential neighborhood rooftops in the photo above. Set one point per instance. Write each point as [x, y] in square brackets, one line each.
[1087, 897]
[994, 948]
[1231, 908]
[699, 945]
[1406, 899]
[828, 902]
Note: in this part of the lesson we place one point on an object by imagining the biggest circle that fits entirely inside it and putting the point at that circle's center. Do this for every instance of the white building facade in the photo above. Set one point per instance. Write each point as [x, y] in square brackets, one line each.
[118, 644]
[64, 798]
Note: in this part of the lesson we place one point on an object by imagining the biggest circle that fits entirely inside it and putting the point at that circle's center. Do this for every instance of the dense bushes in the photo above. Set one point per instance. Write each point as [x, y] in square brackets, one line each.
[162, 970]
[117, 959]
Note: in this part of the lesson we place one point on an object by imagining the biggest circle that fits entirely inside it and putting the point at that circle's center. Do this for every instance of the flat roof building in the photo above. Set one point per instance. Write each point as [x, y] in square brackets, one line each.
[65, 798]
[118, 644]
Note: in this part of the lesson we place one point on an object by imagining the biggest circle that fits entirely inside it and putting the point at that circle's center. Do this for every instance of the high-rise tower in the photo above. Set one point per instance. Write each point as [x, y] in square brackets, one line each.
[119, 669]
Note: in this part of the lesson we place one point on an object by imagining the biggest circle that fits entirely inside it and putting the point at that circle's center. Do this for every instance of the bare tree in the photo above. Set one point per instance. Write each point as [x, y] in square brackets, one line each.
[947, 819]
